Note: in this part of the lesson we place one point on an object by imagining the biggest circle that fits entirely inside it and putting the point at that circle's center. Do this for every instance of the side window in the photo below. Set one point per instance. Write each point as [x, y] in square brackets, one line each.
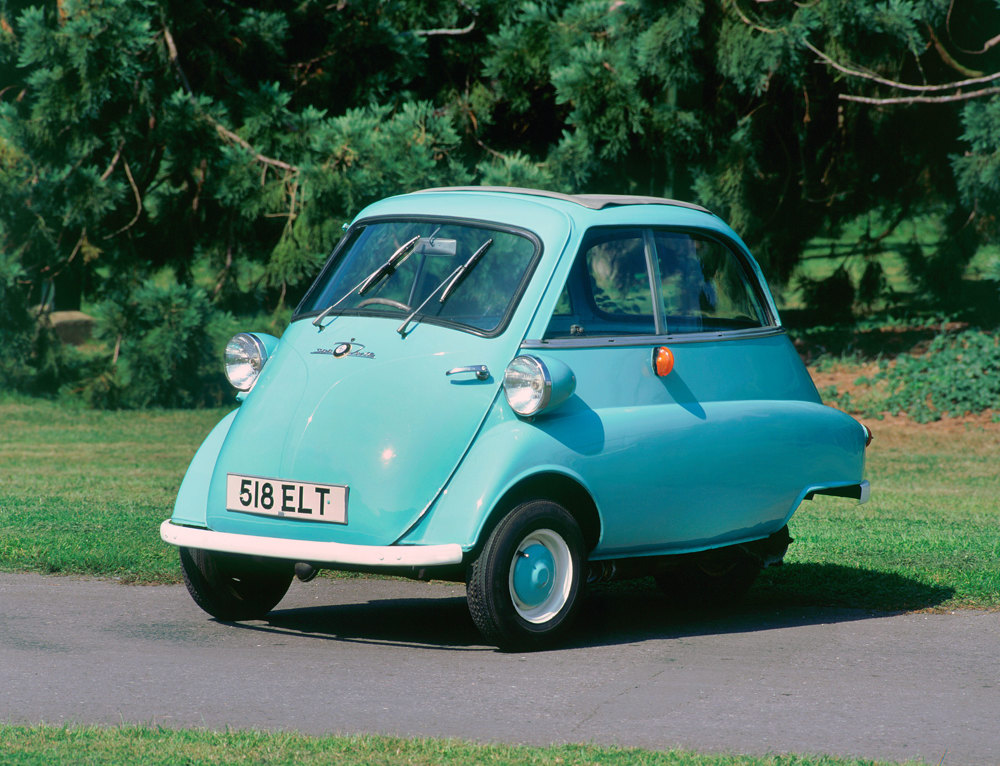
[608, 290]
[704, 286]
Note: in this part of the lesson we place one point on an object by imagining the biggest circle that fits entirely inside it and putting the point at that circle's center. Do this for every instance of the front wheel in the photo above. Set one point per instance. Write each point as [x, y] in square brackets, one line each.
[524, 588]
[231, 587]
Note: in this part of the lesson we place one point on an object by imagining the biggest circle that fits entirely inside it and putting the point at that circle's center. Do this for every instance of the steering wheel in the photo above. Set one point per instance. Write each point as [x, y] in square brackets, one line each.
[385, 302]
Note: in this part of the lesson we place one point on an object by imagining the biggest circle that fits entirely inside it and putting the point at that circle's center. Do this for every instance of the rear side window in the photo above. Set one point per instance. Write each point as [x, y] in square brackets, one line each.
[653, 282]
[704, 287]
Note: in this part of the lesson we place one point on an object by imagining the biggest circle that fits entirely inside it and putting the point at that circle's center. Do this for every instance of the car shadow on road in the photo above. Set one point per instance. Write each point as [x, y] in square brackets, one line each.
[794, 595]
[430, 622]
[625, 612]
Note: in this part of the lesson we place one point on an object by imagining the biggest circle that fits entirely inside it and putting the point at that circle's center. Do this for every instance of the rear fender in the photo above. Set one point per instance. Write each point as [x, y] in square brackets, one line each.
[510, 454]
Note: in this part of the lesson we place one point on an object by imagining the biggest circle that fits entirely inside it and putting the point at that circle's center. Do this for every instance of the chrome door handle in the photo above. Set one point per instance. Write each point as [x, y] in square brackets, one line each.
[481, 371]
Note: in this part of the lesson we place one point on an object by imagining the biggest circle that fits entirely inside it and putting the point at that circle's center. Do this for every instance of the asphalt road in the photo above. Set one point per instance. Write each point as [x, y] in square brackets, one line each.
[404, 658]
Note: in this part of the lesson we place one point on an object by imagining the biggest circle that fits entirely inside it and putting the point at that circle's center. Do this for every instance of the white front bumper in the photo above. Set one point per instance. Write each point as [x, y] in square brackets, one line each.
[329, 554]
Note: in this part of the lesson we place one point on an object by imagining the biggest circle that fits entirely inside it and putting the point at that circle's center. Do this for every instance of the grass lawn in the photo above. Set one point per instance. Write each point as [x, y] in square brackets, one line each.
[926, 539]
[128, 745]
[84, 492]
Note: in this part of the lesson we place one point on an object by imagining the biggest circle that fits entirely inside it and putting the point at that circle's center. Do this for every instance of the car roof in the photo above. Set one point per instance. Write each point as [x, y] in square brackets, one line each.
[591, 201]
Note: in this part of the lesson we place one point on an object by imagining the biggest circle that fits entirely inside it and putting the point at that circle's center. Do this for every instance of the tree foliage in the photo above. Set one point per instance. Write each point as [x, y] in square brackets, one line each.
[228, 141]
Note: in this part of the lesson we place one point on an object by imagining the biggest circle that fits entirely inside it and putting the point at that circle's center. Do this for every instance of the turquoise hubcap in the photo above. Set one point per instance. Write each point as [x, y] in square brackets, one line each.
[534, 572]
[541, 576]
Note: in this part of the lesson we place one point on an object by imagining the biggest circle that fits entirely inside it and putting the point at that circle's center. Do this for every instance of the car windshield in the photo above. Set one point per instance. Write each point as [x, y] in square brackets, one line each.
[433, 270]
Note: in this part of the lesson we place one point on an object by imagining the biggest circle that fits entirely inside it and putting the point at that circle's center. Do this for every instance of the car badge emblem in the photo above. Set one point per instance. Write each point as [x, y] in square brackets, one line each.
[346, 348]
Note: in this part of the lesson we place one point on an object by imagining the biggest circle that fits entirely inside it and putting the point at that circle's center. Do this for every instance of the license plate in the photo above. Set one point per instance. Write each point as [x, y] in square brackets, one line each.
[286, 499]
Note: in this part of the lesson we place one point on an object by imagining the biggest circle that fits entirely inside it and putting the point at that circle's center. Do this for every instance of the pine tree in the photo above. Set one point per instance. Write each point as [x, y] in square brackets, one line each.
[138, 136]
[234, 139]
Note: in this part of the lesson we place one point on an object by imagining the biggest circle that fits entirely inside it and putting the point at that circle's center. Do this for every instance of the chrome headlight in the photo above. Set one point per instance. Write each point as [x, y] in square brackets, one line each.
[245, 358]
[532, 385]
[527, 385]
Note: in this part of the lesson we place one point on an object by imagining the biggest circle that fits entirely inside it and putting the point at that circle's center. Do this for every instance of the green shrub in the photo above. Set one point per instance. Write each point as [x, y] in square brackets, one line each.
[164, 350]
[17, 328]
[31, 356]
[958, 374]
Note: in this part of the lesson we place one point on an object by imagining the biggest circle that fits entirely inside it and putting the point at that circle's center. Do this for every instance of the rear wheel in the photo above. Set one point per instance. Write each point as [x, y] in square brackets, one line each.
[231, 587]
[524, 589]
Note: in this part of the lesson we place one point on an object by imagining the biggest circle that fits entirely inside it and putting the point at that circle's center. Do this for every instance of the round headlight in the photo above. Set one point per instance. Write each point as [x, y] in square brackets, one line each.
[245, 357]
[527, 385]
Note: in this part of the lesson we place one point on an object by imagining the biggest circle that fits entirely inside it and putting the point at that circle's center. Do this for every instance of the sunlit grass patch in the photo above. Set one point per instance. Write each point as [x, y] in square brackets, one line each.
[153, 746]
[926, 539]
[84, 492]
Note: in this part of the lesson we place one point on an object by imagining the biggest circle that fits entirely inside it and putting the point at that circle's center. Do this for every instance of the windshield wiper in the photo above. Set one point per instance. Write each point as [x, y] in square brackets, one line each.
[372, 279]
[463, 271]
[389, 266]
[449, 284]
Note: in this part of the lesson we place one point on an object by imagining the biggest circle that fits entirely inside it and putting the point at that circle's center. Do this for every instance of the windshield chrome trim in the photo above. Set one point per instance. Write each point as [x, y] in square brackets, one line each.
[611, 341]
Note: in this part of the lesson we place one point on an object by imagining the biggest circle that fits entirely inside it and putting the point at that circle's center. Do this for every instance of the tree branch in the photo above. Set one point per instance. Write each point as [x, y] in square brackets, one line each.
[303, 69]
[138, 202]
[991, 43]
[226, 133]
[172, 54]
[449, 32]
[76, 249]
[750, 23]
[893, 83]
[920, 99]
[221, 129]
[114, 161]
[231, 136]
[948, 59]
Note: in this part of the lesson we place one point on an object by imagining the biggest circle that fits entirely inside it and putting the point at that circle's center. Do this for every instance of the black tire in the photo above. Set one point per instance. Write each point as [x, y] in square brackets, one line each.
[231, 587]
[713, 579]
[529, 606]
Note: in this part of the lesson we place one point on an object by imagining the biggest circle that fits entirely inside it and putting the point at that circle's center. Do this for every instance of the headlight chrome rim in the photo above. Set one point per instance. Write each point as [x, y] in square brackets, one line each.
[245, 357]
[527, 385]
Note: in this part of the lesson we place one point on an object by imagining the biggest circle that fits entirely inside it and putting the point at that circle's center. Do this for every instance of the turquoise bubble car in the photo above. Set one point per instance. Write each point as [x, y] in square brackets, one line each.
[525, 391]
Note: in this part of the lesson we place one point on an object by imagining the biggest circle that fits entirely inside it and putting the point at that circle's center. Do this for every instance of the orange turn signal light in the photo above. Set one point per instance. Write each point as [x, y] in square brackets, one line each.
[663, 361]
